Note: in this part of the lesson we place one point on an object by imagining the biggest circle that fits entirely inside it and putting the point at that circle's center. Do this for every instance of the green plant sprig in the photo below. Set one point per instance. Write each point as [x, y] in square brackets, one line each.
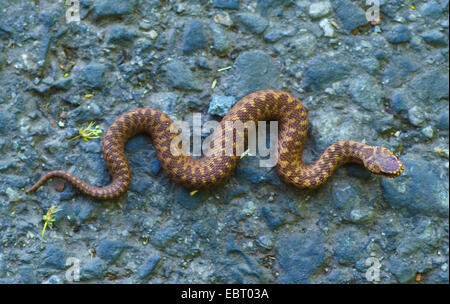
[49, 219]
[90, 132]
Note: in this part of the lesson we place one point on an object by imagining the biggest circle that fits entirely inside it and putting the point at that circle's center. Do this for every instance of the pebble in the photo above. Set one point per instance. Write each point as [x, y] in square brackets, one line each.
[28, 275]
[221, 43]
[327, 28]
[249, 208]
[434, 37]
[416, 116]
[84, 113]
[234, 193]
[92, 75]
[153, 34]
[195, 38]
[300, 249]
[361, 216]
[384, 124]
[319, 9]
[344, 196]
[145, 25]
[420, 189]
[275, 33]
[155, 167]
[13, 195]
[443, 120]
[370, 64]
[431, 86]
[109, 250]
[140, 186]
[267, 6]
[350, 15]
[253, 23]
[399, 34]
[428, 132]
[256, 176]
[221, 105]
[149, 266]
[54, 258]
[400, 69]
[265, 242]
[320, 72]
[119, 34]
[164, 235]
[54, 279]
[402, 271]
[179, 76]
[223, 19]
[94, 269]
[136, 143]
[274, 217]
[421, 237]
[348, 248]
[366, 92]
[228, 4]
[431, 9]
[255, 71]
[305, 45]
[112, 8]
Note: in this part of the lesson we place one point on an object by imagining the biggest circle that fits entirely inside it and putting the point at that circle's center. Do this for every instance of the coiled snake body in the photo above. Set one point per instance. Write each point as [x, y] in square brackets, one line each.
[215, 168]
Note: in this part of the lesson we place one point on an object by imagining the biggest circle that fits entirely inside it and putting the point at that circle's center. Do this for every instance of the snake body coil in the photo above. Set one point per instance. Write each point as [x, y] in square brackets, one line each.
[215, 168]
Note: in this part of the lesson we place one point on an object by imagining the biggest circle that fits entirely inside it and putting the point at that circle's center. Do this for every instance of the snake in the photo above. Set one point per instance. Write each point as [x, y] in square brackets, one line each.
[217, 166]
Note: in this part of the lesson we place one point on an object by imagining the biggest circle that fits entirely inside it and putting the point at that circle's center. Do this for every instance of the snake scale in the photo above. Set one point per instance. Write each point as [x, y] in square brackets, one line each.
[216, 168]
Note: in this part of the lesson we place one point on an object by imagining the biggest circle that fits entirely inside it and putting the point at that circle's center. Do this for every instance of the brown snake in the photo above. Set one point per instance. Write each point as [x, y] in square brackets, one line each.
[215, 168]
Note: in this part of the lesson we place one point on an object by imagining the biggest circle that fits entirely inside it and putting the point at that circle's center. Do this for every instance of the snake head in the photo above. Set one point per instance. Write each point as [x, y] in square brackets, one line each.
[383, 162]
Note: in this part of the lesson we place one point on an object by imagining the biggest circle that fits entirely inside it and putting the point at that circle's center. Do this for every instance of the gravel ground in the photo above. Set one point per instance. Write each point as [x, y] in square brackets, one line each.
[384, 84]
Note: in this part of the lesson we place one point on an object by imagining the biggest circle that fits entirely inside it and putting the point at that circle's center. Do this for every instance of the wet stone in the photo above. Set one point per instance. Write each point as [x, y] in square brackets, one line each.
[319, 9]
[228, 4]
[402, 271]
[54, 258]
[431, 9]
[320, 72]
[300, 249]
[94, 269]
[420, 189]
[221, 105]
[119, 34]
[180, 76]
[92, 75]
[195, 38]
[149, 267]
[274, 217]
[113, 8]
[255, 71]
[399, 34]
[109, 251]
[349, 14]
[28, 275]
[253, 23]
[221, 42]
